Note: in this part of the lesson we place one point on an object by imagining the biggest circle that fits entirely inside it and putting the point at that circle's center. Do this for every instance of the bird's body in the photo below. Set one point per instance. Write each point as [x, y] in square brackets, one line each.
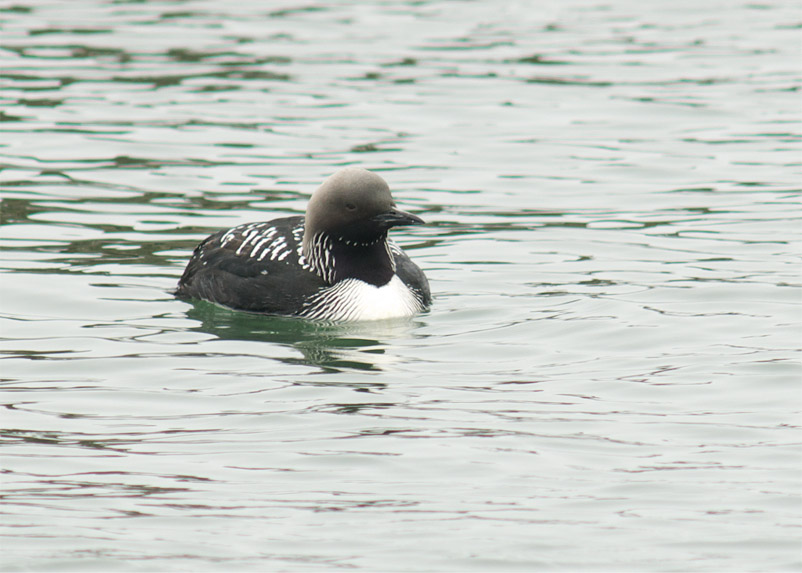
[336, 263]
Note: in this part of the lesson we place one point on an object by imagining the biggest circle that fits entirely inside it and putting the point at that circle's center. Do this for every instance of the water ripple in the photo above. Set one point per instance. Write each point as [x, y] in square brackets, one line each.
[612, 192]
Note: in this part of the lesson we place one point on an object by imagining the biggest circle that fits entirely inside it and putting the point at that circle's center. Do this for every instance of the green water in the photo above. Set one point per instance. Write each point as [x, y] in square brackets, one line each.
[609, 375]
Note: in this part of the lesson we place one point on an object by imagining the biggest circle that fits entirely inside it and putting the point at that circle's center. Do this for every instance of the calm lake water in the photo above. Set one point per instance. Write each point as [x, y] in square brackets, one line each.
[609, 377]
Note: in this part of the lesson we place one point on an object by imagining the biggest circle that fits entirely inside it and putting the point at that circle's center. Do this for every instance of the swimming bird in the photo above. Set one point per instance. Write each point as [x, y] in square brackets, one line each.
[335, 264]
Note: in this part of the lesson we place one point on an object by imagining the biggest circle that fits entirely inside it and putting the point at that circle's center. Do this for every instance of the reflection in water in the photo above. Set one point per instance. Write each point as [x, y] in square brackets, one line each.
[329, 346]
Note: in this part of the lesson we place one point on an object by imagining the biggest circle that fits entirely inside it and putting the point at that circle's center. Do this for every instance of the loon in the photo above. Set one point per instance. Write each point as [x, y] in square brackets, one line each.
[335, 264]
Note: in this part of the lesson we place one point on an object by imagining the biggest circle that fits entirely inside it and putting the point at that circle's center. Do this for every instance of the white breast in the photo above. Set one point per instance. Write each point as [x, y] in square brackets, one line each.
[352, 300]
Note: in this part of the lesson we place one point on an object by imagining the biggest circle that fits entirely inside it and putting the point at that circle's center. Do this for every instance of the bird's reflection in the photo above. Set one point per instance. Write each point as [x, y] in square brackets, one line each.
[330, 346]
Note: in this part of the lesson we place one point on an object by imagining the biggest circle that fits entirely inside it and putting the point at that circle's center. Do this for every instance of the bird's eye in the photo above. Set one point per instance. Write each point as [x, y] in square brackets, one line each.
[350, 206]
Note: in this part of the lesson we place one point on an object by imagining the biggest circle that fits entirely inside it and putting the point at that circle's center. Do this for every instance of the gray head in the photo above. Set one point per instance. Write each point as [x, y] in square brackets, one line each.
[353, 205]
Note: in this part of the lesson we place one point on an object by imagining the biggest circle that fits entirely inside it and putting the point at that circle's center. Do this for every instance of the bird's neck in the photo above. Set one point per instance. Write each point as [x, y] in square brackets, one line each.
[336, 259]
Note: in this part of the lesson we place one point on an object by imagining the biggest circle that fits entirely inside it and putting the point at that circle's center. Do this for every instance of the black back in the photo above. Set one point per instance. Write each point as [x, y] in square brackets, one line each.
[217, 272]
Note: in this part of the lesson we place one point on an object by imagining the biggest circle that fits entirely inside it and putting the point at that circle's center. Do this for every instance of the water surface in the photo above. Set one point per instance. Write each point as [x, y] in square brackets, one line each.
[608, 378]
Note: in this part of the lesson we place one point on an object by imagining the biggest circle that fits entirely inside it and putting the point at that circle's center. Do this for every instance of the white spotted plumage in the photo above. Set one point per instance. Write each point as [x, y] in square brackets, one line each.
[264, 238]
[261, 241]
